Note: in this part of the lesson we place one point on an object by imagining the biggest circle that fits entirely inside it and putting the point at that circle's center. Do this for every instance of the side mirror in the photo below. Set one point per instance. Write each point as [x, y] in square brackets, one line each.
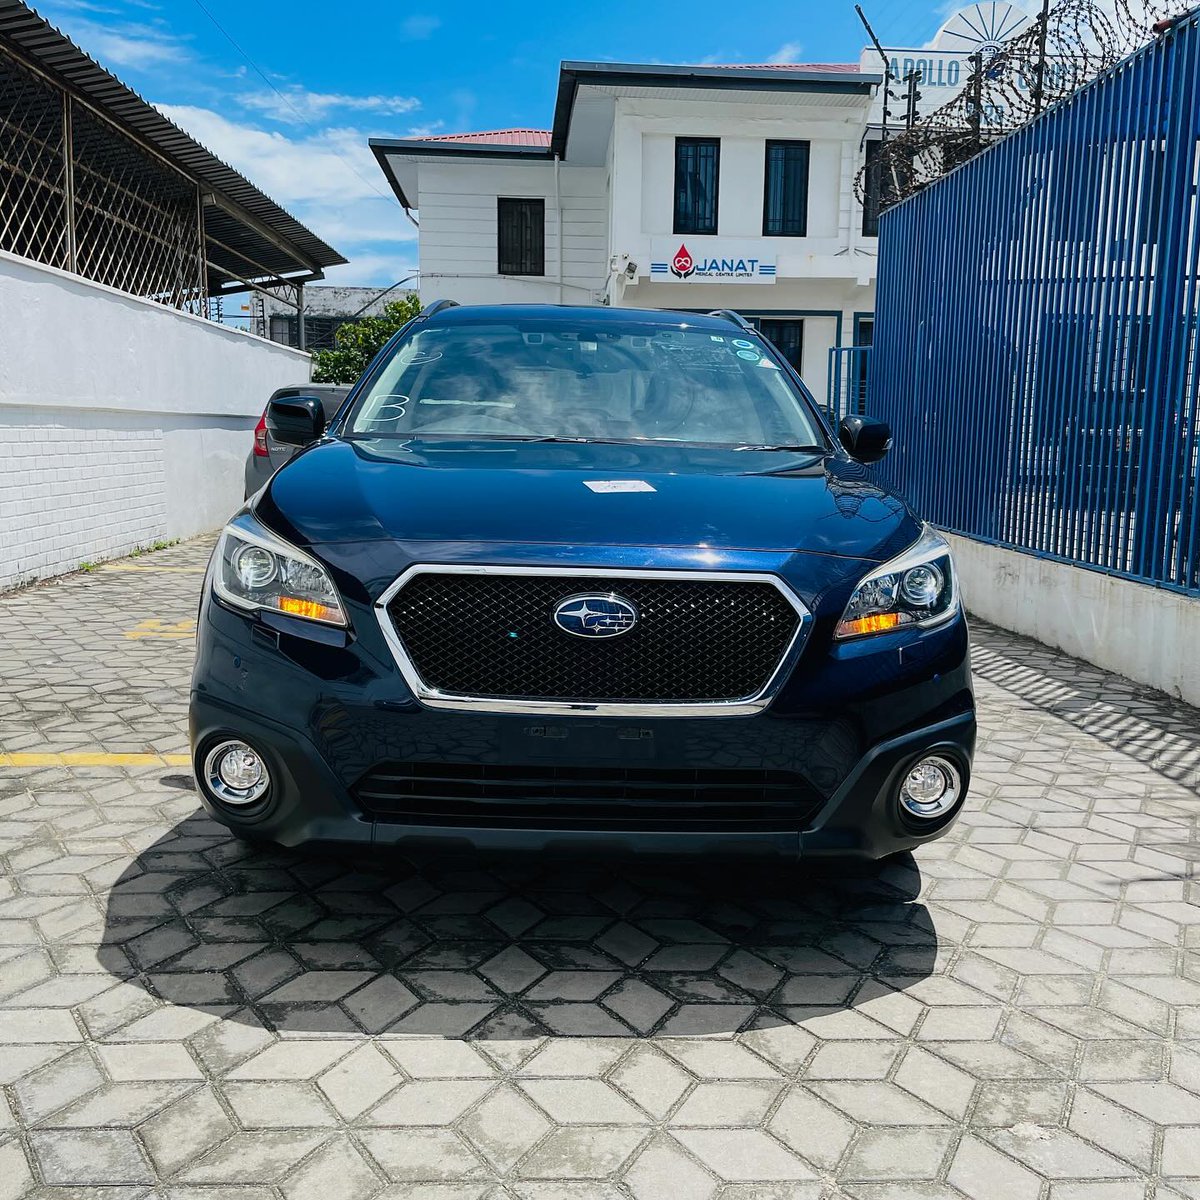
[295, 420]
[865, 439]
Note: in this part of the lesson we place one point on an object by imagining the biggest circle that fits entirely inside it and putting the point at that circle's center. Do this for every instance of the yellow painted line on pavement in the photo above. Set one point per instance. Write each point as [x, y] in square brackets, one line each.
[154, 628]
[93, 758]
[147, 567]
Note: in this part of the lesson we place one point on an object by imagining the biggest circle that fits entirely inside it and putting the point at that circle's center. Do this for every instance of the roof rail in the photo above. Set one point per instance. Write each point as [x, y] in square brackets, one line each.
[436, 307]
[735, 317]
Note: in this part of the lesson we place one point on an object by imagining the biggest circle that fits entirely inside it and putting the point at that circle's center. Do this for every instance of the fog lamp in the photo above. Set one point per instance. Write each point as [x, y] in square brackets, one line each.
[235, 773]
[931, 788]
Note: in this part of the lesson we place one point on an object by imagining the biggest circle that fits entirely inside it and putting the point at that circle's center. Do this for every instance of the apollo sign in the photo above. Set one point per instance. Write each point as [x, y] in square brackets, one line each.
[943, 67]
[709, 260]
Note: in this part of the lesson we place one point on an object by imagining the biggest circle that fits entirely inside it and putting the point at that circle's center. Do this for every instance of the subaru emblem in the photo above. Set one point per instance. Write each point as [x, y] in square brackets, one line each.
[595, 615]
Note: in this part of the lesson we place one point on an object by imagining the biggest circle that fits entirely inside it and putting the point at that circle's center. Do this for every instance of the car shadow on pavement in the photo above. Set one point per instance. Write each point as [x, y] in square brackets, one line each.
[512, 948]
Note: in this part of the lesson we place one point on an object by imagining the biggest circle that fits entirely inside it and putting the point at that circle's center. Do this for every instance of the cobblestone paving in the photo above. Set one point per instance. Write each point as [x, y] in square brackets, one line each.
[1013, 1014]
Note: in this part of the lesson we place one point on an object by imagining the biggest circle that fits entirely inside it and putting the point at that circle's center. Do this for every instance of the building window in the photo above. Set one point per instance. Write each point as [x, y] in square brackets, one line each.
[787, 336]
[320, 333]
[697, 169]
[785, 194]
[521, 237]
[882, 188]
[870, 225]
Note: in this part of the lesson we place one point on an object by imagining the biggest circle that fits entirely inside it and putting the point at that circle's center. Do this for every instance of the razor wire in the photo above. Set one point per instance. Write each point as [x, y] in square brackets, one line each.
[1068, 44]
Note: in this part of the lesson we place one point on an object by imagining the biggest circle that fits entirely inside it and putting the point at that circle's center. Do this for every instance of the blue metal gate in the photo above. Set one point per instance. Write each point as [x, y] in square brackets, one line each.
[1036, 331]
[848, 377]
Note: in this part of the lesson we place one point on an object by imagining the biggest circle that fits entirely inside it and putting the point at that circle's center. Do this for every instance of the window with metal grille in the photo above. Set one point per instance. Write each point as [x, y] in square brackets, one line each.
[320, 332]
[883, 187]
[785, 191]
[787, 336]
[521, 236]
[697, 172]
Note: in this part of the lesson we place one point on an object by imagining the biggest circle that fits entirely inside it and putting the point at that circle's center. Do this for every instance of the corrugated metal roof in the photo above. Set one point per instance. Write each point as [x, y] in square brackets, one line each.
[39, 42]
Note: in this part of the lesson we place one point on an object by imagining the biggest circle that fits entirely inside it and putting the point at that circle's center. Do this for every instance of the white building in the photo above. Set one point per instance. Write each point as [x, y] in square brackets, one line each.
[690, 187]
[644, 163]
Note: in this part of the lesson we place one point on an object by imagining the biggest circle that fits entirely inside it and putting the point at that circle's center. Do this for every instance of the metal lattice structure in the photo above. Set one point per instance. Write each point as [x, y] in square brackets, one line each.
[95, 181]
[78, 193]
[33, 176]
[138, 224]
[1069, 44]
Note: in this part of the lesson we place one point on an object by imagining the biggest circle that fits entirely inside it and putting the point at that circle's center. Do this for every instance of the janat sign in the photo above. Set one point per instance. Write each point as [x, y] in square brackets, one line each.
[709, 261]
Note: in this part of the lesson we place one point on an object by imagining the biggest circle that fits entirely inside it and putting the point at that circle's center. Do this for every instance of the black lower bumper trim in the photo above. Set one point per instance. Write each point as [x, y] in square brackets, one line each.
[601, 798]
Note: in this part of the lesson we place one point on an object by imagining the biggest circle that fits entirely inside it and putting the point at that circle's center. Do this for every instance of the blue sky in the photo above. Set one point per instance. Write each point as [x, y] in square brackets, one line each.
[366, 68]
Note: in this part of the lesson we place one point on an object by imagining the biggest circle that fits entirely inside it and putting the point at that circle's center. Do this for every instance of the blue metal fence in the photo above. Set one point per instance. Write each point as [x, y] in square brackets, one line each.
[1036, 329]
[848, 375]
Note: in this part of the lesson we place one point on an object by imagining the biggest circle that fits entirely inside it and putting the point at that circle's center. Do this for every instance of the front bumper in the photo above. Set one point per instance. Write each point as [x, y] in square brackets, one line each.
[325, 709]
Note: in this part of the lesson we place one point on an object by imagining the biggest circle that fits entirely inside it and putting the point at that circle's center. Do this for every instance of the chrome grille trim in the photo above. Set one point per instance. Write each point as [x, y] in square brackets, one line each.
[433, 698]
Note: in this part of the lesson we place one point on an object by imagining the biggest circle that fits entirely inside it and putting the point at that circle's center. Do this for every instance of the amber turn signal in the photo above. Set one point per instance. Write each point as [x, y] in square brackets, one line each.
[312, 609]
[878, 623]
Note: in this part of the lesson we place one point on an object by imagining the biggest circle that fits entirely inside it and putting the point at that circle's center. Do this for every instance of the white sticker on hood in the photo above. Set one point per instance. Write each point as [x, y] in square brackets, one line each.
[618, 485]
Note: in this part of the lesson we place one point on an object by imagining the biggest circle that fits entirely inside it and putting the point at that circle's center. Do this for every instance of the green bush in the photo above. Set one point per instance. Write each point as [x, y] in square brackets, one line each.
[357, 342]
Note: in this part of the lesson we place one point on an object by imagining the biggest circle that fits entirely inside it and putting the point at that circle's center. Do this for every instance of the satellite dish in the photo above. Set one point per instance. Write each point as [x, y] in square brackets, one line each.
[982, 29]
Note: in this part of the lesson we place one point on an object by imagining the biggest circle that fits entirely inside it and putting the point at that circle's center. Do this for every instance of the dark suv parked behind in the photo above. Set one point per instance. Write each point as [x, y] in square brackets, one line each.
[267, 454]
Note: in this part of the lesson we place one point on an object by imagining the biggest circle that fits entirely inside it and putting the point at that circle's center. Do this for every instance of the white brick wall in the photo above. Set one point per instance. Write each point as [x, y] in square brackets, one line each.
[121, 422]
[77, 494]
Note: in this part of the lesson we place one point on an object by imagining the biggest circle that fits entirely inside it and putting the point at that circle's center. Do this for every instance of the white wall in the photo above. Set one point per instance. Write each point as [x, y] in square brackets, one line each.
[829, 271]
[121, 421]
[457, 202]
[1145, 633]
[644, 133]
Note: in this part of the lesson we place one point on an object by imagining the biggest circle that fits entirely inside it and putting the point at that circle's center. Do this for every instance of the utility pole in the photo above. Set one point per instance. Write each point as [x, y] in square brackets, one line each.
[910, 115]
[887, 69]
[1039, 70]
[975, 116]
[887, 165]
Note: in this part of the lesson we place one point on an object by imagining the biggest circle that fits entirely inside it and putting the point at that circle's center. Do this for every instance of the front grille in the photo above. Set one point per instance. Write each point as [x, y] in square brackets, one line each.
[597, 798]
[494, 636]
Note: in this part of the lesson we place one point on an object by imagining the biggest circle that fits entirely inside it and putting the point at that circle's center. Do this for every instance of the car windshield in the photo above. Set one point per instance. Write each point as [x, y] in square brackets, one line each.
[555, 379]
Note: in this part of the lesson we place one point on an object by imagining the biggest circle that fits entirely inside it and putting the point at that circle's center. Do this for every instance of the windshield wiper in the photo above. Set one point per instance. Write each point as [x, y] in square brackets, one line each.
[575, 441]
[539, 439]
[795, 449]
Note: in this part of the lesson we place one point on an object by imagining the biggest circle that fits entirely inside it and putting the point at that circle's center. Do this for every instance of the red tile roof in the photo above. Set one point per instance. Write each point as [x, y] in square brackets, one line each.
[494, 137]
[541, 137]
[833, 68]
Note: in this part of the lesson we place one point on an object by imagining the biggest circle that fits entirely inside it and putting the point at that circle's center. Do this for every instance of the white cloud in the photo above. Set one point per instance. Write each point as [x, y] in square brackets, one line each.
[328, 164]
[295, 104]
[428, 129]
[419, 26]
[789, 52]
[371, 269]
[135, 50]
[328, 179]
[123, 43]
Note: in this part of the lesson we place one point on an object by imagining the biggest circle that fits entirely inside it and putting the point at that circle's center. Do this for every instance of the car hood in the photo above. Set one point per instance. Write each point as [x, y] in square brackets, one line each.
[537, 493]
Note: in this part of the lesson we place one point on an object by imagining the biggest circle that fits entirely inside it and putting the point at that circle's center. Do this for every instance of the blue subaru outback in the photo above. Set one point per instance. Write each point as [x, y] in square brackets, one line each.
[565, 577]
